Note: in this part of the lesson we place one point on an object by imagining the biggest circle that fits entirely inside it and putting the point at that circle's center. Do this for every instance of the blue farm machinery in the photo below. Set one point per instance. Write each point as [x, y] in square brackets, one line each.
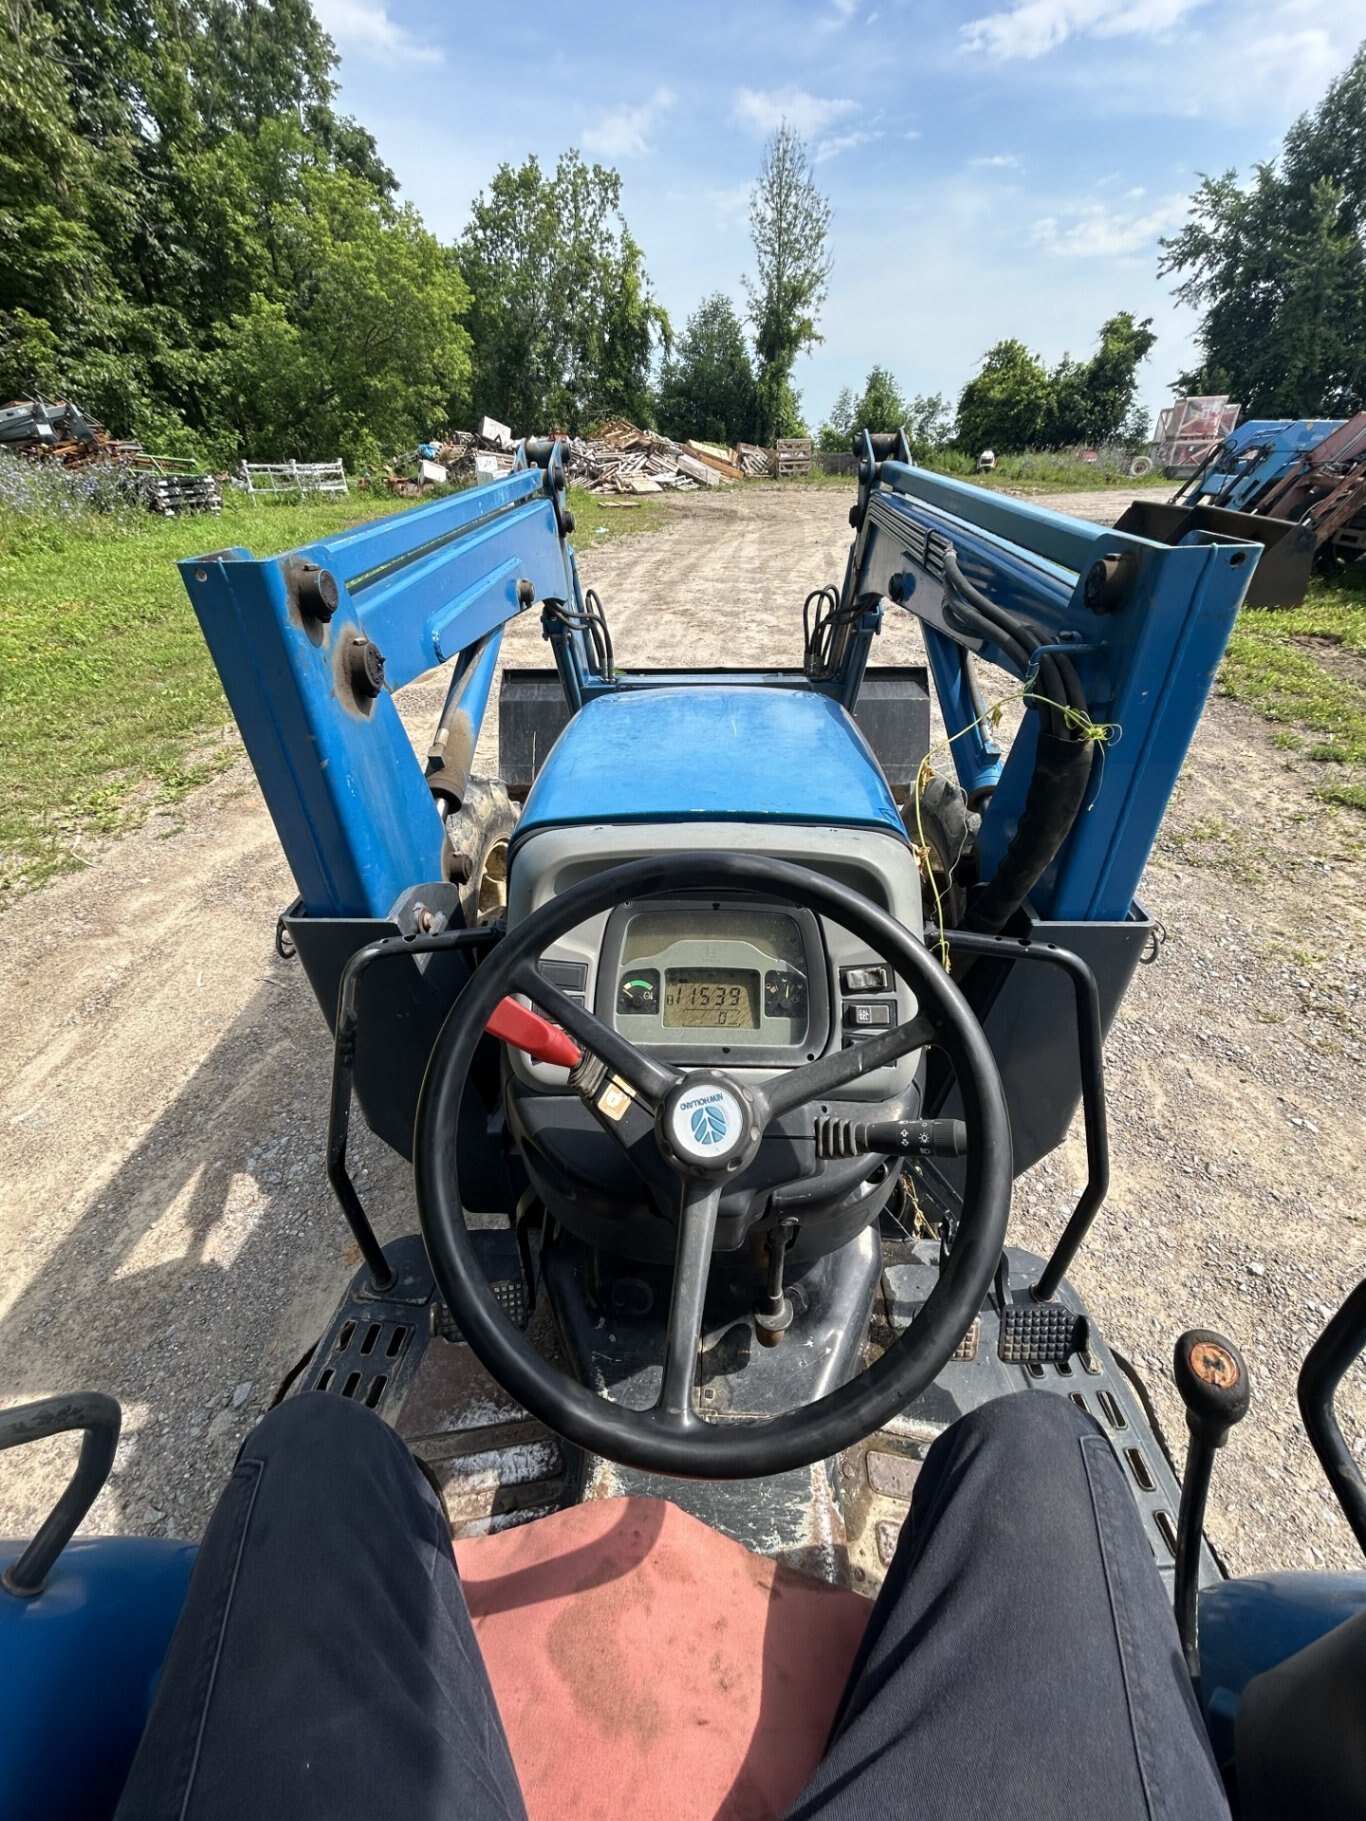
[717, 1029]
[1297, 486]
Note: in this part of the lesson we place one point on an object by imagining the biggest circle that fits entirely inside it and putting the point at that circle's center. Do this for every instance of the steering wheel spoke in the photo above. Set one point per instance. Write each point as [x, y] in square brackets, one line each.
[650, 1080]
[683, 1336]
[830, 1073]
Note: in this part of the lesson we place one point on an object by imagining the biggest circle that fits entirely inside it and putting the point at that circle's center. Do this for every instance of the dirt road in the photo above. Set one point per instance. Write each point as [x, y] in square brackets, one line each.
[162, 1201]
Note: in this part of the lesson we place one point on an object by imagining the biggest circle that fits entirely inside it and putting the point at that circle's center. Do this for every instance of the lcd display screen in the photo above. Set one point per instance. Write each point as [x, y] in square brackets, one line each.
[716, 998]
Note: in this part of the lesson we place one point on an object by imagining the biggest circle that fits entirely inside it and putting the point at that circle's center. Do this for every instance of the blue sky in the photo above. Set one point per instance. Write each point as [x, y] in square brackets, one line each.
[998, 168]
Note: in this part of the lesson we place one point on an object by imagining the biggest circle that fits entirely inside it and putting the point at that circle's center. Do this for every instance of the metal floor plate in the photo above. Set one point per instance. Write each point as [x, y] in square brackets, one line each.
[400, 1355]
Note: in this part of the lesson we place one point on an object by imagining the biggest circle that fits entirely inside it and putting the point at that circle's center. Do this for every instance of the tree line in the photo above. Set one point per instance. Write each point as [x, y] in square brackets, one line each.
[203, 251]
[198, 246]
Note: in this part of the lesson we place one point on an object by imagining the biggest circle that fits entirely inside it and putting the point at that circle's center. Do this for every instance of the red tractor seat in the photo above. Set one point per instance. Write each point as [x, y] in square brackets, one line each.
[644, 1664]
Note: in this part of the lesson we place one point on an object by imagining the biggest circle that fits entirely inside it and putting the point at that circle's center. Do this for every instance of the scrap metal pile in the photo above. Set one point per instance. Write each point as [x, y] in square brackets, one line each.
[62, 433]
[618, 458]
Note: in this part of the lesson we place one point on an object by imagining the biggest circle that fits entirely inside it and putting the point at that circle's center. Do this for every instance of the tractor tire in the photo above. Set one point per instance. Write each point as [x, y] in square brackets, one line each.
[1139, 466]
[477, 837]
[948, 861]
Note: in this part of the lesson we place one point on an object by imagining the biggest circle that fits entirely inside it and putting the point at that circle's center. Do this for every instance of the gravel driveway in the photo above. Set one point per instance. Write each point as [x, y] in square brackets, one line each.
[162, 1198]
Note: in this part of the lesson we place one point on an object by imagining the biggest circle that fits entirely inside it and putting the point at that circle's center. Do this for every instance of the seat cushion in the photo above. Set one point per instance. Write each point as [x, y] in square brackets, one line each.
[646, 1665]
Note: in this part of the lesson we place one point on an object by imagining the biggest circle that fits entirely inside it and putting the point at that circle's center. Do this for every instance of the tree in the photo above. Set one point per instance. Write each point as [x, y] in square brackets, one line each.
[1014, 402]
[1112, 375]
[879, 407]
[561, 317]
[1277, 266]
[1007, 404]
[789, 224]
[370, 341]
[929, 424]
[166, 196]
[706, 388]
[836, 433]
[1092, 399]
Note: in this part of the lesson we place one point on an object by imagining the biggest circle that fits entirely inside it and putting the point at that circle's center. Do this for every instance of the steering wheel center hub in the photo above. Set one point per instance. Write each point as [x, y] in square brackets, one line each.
[706, 1126]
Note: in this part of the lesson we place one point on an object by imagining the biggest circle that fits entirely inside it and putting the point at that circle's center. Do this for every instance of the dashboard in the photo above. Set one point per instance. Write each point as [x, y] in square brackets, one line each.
[730, 982]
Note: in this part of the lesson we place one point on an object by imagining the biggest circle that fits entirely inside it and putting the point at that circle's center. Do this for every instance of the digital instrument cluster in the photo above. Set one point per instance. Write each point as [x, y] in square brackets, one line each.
[718, 978]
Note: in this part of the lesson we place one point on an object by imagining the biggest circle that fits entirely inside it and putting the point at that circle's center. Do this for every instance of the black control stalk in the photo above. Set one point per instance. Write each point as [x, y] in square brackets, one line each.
[1211, 1376]
[773, 1312]
[891, 1137]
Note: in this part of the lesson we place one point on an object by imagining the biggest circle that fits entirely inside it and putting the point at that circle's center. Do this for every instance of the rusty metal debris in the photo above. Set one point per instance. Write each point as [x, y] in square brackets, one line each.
[64, 434]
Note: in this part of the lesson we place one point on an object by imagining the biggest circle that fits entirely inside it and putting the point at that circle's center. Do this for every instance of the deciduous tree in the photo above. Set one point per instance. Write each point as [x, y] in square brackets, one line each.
[706, 386]
[790, 226]
[1006, 404]
[1277, 267]
[561, 317]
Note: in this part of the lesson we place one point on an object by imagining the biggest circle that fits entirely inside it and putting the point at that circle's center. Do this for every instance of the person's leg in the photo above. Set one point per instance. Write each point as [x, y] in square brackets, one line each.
[1022, 1658]
[325, 1665]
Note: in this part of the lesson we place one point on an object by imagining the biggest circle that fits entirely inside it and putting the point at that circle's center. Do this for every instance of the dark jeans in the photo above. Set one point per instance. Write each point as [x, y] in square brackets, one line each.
[1021, 1659]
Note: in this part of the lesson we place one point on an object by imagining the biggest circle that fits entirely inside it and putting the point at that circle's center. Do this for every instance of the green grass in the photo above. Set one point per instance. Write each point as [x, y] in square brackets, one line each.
[110, 707]
[1045, 471]
[1035, 472]
[1215, 842]
[1274, 665]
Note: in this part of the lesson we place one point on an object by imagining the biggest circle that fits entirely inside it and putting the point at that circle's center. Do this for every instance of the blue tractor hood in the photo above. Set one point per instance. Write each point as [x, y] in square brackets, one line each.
[743, 753]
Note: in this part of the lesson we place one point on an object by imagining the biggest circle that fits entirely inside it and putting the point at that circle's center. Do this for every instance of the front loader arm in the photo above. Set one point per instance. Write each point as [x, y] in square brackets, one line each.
[311, 644]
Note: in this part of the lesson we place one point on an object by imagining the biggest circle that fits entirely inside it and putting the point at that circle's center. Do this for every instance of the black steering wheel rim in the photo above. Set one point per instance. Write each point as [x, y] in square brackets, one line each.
[642, 1439]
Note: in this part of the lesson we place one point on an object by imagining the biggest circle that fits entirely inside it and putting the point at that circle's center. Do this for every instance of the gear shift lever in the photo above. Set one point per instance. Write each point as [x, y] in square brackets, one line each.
[1212, 1378]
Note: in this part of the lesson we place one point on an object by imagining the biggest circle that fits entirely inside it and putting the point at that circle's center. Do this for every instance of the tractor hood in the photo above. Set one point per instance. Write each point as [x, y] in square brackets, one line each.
[747, 753]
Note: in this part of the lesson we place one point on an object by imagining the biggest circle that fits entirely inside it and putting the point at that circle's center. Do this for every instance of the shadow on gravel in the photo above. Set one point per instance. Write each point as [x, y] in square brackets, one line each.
[218, 1251]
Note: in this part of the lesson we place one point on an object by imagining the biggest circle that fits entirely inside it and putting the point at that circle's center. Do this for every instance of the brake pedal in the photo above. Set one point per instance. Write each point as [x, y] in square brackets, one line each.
[1041, 1334]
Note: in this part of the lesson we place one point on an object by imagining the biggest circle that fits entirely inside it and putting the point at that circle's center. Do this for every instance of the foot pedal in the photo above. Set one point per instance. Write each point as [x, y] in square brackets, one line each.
[508, 1294]
[1041, 1334]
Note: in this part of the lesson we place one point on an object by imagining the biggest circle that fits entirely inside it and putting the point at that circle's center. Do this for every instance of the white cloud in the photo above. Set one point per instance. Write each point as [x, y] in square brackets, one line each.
[844, 142]
[1249, 60]
[998, 161]
[1090, 230]
[1031, 28]
[623, 132]
[841, 12]
[364, 26]
[731, 204]
[763, 111]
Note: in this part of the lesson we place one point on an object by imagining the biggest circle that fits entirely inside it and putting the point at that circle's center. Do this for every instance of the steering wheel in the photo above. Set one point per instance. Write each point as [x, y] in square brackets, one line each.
[673, 1437]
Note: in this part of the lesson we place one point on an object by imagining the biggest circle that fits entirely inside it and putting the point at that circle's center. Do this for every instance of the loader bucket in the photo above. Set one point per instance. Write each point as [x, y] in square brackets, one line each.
[1287, 559]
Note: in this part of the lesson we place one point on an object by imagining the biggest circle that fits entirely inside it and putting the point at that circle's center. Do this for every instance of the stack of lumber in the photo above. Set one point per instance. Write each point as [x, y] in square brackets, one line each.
[172, 495]
[621, 458]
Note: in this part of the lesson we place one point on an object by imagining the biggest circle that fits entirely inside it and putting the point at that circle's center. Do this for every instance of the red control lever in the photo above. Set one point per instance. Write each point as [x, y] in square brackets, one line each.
[527, 1030]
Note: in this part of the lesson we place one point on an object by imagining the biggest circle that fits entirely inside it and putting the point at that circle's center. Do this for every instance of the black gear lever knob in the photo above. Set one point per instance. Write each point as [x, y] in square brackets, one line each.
[1211, 1376]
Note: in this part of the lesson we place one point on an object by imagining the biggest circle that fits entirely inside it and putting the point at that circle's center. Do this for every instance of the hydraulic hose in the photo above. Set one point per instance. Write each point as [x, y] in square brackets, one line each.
[1062, 762]
[1057, 789]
